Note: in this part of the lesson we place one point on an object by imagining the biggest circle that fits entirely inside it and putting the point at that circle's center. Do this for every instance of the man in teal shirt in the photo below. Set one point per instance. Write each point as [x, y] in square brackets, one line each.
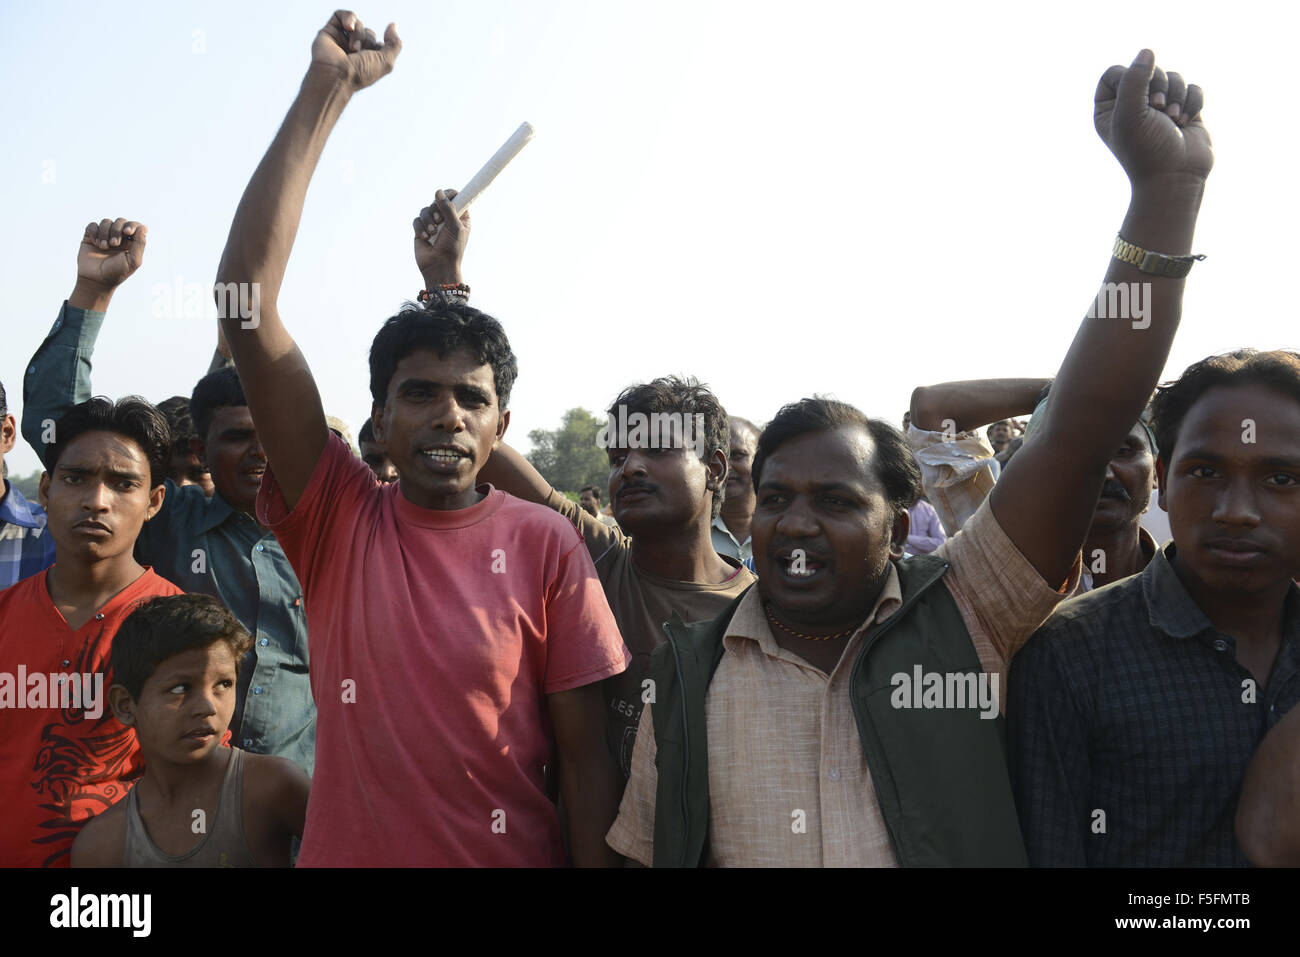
[214, 546]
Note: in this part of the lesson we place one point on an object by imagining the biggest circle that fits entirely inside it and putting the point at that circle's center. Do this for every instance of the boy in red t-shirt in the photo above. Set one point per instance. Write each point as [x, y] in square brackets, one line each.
[64, 757]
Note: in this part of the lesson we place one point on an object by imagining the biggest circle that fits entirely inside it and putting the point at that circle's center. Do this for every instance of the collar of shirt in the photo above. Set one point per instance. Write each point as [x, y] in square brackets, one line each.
[1147, 544]
[16, 510]
[721, 526]
[1173, 611]
[1170, 607]
[750, 623]
[218, 511]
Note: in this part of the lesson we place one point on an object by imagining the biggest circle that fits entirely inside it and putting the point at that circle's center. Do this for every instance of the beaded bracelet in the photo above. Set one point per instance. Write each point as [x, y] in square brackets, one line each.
[458, 289]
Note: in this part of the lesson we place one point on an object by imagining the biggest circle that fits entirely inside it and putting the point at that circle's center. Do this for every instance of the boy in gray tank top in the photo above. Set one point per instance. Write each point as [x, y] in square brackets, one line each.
[175, 666]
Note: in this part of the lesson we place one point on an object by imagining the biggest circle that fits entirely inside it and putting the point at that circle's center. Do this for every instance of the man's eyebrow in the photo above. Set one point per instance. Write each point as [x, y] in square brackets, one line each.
[111, 473]
[417, 384]
[1271, 461]
[1201, 454]
[817, 486]
[460, 388]
[473, 390]
[1281, 462]
[839, 487]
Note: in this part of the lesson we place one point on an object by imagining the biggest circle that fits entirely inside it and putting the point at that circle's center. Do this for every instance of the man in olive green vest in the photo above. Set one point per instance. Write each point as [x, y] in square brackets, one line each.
[846, 711]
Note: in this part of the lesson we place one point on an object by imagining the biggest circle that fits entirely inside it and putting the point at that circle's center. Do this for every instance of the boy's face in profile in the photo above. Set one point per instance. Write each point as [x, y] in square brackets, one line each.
[185, 705]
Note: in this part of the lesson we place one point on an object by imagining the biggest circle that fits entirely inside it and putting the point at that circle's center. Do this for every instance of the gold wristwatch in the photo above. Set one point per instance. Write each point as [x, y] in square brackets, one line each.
[1154, 264]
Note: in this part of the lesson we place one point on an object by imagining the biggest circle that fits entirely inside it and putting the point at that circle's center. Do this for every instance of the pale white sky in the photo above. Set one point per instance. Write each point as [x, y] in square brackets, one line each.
[781, 199]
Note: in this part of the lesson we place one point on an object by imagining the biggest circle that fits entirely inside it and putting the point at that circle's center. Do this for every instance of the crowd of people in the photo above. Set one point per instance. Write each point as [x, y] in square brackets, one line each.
[228, 638]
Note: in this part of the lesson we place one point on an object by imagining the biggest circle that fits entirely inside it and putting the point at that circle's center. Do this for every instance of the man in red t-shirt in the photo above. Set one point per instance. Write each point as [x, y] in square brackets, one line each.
[63, 756]
[458, 636]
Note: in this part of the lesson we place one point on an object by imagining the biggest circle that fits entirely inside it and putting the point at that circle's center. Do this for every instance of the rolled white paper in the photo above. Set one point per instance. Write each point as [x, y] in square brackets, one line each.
[494, 166]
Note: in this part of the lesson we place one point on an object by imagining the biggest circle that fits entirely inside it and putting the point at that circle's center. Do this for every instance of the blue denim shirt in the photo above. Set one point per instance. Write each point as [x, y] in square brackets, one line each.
[203, 545]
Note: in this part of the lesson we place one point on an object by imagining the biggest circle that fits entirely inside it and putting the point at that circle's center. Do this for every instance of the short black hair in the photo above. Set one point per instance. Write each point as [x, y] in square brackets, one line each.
[133, 417]
[1277, 369]
[367, 433]
[684, 395]
[161, 627]
[177, 411]
[443, 325]
[895, 464]
[214, 391]
[592, 489]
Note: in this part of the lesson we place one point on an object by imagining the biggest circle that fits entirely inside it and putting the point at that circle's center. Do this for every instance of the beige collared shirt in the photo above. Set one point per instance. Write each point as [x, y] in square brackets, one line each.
[788, 783]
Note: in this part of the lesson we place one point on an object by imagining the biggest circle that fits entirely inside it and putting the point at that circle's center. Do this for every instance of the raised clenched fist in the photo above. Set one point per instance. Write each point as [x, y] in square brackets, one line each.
[1151, 121]
[111, 250]
[346, 45]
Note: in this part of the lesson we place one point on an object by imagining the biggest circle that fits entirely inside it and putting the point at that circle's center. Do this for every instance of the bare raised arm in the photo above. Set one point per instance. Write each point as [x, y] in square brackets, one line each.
[282, 394]
[1045, 498]
[509, 471]
[964, 406]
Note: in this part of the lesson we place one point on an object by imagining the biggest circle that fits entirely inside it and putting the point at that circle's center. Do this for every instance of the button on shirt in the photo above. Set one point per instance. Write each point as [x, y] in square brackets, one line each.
[26, 547]
[1131, 726]
[204, 545]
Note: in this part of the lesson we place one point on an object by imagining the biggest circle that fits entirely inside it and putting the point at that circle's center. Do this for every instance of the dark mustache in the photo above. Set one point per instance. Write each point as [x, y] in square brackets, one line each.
[784, 546]
[635, 487]
[1113, 489]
